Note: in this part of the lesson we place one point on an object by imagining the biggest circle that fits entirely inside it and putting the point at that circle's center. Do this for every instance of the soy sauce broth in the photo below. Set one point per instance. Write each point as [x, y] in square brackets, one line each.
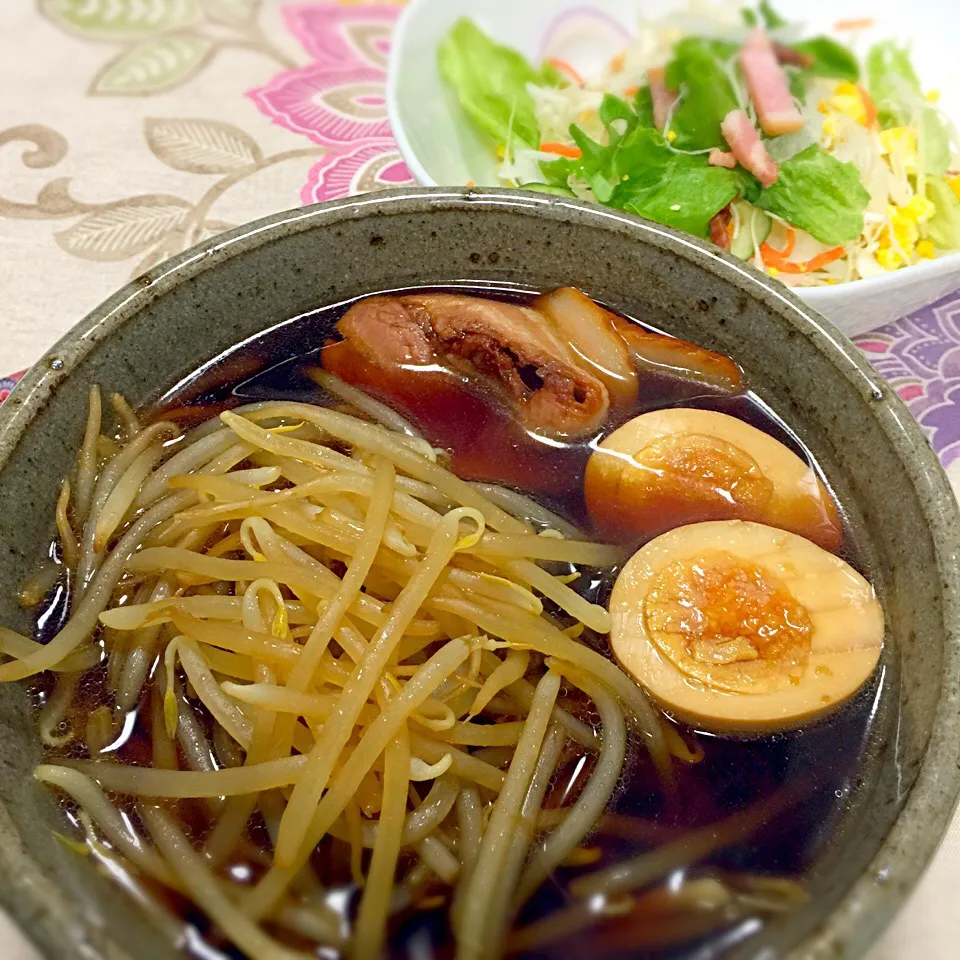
[814, 771]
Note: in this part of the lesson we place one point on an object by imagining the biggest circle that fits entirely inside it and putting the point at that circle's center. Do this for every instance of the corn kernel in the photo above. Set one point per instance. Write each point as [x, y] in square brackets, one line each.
[830, 127]
[501, 151]
[926, 250]
[773, 271]
[919, 209]
[671, 135]
[954, 183]
[847, 99]
[901, 141]
[888, 259]
[932, 96]
[906, 232]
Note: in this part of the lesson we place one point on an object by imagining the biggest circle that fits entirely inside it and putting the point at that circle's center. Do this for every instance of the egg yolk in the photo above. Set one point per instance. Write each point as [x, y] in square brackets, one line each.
[729, 624]
[738, 627]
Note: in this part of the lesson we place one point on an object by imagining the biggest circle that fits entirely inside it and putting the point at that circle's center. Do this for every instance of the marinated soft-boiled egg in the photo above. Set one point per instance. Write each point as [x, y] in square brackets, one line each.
[735, 626]
[677, 466]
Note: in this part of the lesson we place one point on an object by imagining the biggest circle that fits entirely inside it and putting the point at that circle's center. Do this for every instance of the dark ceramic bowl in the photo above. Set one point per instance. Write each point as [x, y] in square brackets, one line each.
[189, 309]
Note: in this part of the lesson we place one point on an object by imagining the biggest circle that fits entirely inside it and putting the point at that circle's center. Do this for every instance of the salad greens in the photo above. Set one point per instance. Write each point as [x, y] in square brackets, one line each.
[698, 69]
[492, 82]
[867, 174]
[893, 83]
[943, 228]
[819, 194]
[896, 91]
[637, 171]
[830, 59]
[764, 16]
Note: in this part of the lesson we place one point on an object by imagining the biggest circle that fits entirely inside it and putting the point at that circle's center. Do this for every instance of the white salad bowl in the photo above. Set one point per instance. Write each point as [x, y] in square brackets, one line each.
[441, 147]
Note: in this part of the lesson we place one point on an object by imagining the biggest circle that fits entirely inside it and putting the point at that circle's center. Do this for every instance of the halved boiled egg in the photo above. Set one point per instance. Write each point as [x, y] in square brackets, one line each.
[739, 627]
[677, 466]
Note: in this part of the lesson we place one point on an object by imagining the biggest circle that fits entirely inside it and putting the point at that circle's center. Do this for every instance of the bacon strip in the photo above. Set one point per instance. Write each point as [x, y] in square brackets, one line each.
[721, 158]
[793, 57]
[740, 134]
[768, 87]
[663, 99]
[719, 228]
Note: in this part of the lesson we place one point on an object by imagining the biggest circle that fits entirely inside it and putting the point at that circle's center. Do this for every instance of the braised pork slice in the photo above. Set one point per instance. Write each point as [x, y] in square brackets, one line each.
[513, 348]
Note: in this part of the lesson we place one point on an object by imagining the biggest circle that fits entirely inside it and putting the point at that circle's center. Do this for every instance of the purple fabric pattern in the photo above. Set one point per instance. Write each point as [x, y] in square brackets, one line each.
[920, 356]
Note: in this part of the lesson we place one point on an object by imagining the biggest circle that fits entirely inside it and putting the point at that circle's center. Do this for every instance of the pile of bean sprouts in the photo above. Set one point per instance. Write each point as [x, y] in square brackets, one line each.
[325, 632]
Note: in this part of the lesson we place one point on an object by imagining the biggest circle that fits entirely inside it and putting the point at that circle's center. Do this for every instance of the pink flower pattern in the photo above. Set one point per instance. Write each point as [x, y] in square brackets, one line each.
[338, 100]
[369, 165]
[332, 105]
[7, 384]
[337, 34]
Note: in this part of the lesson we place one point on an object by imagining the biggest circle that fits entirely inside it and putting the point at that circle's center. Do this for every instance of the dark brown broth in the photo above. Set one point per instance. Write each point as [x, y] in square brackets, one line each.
[816, 767]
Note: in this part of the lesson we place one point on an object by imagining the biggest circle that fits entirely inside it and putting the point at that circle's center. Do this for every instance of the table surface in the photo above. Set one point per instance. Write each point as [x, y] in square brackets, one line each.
[130, 131]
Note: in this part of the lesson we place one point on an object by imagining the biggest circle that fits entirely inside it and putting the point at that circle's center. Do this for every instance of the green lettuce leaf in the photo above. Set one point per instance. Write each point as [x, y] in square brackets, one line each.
[819, 194]
[707, 93]
[638, 172]
[892, 83]
[933, 144]
[771, 19]
[643, 104]
[830, 59]
[491, 81]
[943, 228]
[764, 14]
[896, 91]
[687, 195]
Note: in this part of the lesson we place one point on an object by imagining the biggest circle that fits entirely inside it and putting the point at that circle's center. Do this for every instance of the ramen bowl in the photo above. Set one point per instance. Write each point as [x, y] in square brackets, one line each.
[191, 309]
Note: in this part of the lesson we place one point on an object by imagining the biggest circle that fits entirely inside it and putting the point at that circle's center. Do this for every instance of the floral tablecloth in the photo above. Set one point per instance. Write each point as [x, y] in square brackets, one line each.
[132, 129]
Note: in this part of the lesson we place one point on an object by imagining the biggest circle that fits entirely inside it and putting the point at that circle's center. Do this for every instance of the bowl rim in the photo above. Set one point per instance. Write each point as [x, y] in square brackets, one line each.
[932, 270]
[869, 904]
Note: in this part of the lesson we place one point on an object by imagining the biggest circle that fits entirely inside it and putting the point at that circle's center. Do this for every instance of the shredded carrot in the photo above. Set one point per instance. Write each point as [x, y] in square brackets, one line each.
[778, 260]
[617, 63]
[869, 107]
[822, 260]
[566, 68]
[862, 24]
[561, 150]
[470, 183]
[771, 254]
[631, 91]
[807, 266]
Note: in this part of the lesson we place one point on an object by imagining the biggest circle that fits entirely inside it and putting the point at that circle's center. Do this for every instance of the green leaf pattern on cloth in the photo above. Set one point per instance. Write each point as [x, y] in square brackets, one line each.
[153, 65]
[230, 11]
[119, 20]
